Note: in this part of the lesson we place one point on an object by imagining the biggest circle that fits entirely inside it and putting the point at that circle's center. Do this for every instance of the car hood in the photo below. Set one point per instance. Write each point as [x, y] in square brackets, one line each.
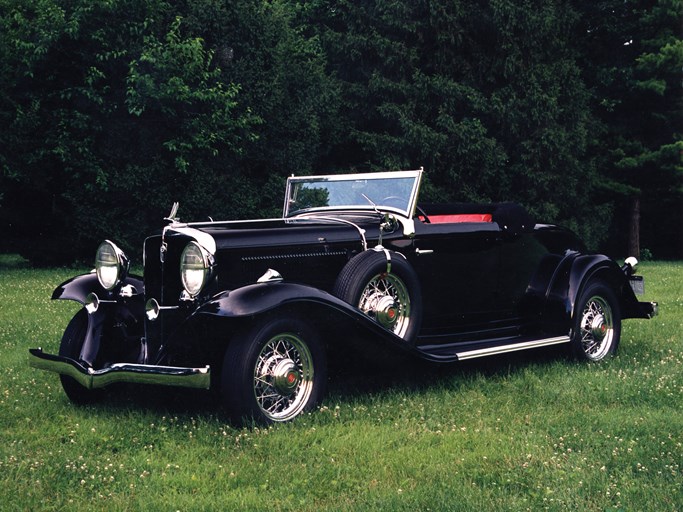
[219, 236]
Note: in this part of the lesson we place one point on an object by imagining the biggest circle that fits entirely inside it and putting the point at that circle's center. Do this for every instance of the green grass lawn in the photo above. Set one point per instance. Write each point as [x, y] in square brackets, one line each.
[530, 431]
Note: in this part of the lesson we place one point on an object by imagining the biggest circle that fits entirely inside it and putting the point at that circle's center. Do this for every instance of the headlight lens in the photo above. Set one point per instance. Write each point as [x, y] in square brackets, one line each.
[195, 268]
[111, 265]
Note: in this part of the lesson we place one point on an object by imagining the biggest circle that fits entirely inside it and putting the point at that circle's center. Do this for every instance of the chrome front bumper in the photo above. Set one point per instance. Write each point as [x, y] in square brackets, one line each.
[199, 378]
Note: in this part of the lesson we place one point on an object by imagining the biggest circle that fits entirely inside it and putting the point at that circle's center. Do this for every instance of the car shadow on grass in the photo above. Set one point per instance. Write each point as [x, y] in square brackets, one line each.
[346, 382]
[370, 377]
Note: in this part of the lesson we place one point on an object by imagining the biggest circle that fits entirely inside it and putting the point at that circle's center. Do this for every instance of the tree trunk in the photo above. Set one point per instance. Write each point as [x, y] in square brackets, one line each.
[634, 229]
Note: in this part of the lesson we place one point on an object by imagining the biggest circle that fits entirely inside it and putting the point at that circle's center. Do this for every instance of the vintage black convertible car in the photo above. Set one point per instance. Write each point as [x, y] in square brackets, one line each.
[253, 308]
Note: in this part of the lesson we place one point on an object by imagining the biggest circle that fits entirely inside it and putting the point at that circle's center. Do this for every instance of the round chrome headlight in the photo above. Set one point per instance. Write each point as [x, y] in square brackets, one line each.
[195, 268]
[111, 265]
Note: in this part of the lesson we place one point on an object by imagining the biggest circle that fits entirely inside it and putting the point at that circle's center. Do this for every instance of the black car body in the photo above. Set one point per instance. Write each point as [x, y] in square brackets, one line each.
[253, 308]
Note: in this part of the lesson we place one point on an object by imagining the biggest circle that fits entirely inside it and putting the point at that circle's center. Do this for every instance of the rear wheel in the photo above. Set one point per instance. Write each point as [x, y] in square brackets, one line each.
[71, 345]
[273, 371]
[597, 323]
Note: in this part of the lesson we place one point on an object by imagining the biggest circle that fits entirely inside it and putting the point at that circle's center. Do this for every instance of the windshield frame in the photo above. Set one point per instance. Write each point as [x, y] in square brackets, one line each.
[293, 183]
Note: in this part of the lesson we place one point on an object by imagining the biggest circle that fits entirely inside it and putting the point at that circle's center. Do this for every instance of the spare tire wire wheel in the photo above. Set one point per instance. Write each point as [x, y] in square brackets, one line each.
[386, 299]
[383, 286]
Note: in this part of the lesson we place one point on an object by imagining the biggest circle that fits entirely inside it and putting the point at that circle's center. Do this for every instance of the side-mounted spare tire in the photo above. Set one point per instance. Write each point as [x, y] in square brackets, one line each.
[384, 286]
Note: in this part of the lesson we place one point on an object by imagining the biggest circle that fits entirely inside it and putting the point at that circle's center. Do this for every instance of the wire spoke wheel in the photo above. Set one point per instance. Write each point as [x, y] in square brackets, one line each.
[273, 371]
[597, 325]
[386, 299]
[283, 377]
[597, 329]
[383, 286]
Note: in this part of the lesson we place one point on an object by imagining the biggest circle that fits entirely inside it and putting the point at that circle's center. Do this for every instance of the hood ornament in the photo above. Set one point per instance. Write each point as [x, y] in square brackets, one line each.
[172, 219]
[172, 216]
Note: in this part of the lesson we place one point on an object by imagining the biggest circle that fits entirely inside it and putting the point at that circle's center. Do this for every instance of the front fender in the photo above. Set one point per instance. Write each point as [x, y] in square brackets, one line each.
[334, 318]
[258, 298]
[77, 288]
[115, 326]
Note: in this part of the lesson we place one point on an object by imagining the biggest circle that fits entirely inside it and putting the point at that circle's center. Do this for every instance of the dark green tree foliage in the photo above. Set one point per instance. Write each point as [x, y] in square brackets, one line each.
[486, 96]
[112, 110]
[283, 81]
[120, 105]
[633, 63]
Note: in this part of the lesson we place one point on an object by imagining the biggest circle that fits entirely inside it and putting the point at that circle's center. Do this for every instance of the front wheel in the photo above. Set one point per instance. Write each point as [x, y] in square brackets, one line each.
[71, 345]
[273, 371]
[597, 323]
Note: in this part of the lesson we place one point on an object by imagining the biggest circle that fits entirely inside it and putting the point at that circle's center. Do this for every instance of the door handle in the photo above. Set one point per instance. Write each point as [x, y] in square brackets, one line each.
[419, 252]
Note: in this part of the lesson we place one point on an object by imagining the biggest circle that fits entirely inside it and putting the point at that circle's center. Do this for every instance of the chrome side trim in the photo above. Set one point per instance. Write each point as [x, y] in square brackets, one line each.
[503, 349]
[199, 378]
[298, 255]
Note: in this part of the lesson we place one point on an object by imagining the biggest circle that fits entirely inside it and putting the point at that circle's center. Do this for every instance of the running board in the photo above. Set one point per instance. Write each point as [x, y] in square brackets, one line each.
[463, 352]
[503, 349]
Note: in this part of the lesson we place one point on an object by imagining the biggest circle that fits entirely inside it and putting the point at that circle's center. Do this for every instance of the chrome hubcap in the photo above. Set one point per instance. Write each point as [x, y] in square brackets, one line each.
[286, 376]
[386, 299]
[283, 377]
[598, 327]
[386, 310]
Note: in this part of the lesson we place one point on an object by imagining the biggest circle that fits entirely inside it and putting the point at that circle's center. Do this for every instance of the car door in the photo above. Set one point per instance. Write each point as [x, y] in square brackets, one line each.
[458, 267]
[521, 257]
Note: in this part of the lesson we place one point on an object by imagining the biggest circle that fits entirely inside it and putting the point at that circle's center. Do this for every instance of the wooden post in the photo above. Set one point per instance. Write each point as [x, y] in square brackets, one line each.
[634, 229]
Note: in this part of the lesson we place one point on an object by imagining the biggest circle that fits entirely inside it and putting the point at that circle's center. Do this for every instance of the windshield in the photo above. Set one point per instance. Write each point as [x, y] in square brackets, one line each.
[385, 191]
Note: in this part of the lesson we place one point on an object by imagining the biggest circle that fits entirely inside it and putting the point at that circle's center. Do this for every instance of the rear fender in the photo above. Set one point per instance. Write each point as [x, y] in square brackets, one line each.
[603, 268]
[571, 277]
[557, 308]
